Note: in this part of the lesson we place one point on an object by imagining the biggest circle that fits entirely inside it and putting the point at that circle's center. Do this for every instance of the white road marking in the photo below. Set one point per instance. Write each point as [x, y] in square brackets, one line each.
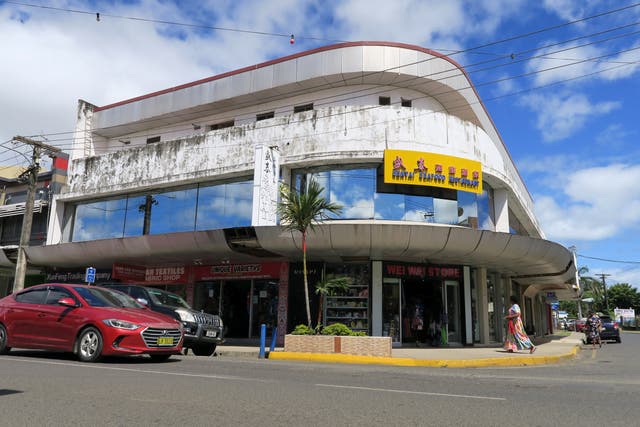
[426, 393]
[146, 371]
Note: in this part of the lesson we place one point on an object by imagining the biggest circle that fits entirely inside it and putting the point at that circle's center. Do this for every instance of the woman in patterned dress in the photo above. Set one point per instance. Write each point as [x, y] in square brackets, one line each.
[593, 329]
[517, 338]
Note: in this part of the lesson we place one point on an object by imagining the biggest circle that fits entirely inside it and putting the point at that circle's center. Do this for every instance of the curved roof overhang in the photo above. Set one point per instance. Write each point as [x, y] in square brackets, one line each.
[529, 261]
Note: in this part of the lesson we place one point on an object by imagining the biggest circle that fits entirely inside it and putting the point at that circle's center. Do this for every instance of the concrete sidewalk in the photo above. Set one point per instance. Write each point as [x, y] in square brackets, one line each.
[550, 349]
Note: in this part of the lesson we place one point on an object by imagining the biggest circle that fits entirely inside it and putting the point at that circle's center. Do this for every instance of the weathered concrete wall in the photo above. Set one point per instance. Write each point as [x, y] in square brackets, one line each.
[331, 135]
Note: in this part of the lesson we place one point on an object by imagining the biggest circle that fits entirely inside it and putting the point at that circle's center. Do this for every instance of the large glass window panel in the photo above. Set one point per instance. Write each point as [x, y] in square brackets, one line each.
[485, 209]
[354, 190]
[173, 211]
[467, 209]
[99, 220]
[225, 205]
[134, 220]
[389, 206]
[445, 211]
[419, 208]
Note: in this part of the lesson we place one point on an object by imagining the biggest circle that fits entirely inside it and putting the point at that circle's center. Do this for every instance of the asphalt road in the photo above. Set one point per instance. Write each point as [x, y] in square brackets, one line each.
[601, 387]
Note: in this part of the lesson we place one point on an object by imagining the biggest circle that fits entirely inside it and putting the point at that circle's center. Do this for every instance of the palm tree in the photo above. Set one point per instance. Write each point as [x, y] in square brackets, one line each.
[298, 212]
[330, 285]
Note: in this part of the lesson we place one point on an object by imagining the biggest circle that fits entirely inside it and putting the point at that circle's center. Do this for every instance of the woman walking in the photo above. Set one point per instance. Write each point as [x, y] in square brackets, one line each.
[593, 329]
[517, 338]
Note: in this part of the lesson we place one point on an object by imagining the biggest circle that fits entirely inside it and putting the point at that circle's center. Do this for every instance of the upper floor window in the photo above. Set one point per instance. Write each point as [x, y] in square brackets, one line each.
[153, 140]
[405, 102]
[222, 125]
[301, 108]
[265, 116]
[384, 100]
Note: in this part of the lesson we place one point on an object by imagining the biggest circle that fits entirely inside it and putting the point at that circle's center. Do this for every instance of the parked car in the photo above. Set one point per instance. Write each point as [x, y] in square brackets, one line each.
[88, 321]
[571, 325]
[581, 324]
[610, 329]
[202, 331]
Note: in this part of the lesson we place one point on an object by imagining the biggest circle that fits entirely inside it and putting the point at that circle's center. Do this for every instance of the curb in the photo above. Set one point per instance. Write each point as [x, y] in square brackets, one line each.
[434, 363]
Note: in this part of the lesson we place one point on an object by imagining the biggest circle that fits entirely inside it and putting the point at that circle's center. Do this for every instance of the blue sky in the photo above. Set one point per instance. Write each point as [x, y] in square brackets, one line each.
[559, 79]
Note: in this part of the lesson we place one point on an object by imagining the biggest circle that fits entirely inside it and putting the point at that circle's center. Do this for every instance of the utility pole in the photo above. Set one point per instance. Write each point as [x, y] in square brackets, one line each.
[604, 285]
[30, 177]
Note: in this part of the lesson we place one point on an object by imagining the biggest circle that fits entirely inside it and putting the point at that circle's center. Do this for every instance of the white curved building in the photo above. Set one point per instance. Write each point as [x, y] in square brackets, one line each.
[179, 188]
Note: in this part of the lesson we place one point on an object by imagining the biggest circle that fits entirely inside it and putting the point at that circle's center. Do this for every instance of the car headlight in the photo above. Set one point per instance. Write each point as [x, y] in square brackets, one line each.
[185, 316]
[121, 324]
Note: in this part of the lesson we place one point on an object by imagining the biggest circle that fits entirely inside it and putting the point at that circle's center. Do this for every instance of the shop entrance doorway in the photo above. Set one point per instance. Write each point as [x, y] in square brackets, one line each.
[244, 305]
[422, 311]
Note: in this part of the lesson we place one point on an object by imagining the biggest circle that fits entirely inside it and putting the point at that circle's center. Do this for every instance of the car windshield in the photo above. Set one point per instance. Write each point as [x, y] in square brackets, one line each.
[167, 298]
[101, 297]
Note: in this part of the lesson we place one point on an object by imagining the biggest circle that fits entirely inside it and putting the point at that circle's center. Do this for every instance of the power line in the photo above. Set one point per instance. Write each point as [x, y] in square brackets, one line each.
[486, 83]
[609, 260]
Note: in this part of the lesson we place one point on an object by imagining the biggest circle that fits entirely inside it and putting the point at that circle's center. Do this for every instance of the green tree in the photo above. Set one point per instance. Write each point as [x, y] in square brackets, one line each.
[300, 211]
[622, 295]
[330, 285]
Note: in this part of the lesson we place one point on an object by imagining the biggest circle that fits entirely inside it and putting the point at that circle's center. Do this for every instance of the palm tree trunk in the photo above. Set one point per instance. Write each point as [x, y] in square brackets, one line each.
[320, 304]
[304, 272]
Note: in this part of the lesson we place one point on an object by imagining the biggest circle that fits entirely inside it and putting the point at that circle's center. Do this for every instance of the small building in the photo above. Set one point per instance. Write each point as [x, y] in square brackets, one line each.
[13, 197]
[179, 189]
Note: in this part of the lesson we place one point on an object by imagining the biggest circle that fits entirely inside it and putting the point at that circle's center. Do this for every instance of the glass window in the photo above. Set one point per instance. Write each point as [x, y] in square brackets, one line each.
[173, 211]
[99, 220]
[355, 190]
[33, 296]
[225, 206]
[56, 293]
[101, 297]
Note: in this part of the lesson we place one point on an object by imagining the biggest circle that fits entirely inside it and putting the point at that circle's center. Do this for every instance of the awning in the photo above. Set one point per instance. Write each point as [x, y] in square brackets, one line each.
[530, 261]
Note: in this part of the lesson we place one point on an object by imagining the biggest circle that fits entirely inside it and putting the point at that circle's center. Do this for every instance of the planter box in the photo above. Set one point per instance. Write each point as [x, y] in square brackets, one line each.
[359, 346]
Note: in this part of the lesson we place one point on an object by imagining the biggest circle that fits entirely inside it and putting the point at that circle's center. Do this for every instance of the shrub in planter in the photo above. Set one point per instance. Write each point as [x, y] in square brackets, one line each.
[303, 330]
[340, 329]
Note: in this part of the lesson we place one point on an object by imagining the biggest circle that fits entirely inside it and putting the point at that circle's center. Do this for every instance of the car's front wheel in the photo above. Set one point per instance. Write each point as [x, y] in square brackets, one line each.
[3, 340]
[89, 345]
[204, 349]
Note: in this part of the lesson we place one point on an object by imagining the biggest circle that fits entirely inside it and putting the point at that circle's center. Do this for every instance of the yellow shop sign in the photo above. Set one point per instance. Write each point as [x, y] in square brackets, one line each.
[433, 170]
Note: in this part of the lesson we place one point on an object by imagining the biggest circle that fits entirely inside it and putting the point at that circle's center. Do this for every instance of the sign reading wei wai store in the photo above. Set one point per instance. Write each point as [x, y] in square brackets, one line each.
[432, 170]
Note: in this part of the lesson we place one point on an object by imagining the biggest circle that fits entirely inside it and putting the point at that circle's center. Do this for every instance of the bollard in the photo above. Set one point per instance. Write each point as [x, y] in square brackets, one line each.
[273, 339]
[263, 336]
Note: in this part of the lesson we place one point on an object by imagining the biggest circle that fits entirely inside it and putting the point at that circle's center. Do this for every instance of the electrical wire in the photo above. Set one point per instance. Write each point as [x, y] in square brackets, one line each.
[466, 50]
[597, 59]
[609, 260]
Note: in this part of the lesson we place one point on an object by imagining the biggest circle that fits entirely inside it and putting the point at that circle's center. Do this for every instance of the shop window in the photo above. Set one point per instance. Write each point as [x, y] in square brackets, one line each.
[222, 125]
[301, 108]
[265, 116]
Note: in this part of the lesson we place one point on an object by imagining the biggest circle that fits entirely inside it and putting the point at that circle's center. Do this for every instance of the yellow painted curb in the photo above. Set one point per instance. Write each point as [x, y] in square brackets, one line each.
[520, 360]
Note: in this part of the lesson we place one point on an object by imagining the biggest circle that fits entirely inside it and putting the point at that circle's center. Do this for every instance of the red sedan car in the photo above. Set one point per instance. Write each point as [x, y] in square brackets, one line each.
[87, 320]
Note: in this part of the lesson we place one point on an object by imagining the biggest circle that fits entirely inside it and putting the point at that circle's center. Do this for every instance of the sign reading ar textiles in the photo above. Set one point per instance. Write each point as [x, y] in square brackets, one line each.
[434, 170]
[150, 275]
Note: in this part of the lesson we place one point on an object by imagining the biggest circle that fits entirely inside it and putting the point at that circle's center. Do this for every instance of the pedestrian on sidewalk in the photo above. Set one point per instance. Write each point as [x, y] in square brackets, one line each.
[517, 338]
[593, 329]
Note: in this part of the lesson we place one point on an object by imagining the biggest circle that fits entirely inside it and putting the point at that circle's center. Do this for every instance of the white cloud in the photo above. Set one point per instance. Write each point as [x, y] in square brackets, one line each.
[561, 115]
[597, 203]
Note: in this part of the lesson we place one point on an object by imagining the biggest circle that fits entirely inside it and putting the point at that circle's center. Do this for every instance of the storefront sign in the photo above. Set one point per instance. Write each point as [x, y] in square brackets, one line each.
[434, 170]
[265, 270]
[421, 270]
[150, 275]
[77, 276]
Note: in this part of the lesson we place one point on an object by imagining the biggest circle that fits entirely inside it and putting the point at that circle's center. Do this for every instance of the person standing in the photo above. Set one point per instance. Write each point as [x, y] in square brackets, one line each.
[593, 329]
[517, 338]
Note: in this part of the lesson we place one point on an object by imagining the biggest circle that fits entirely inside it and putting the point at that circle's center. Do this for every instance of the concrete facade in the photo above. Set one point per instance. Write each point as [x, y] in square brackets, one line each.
[432, 108]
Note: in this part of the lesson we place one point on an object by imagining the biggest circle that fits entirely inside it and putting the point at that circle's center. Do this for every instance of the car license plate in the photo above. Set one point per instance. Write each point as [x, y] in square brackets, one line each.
[212, 334]
[165, 341]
